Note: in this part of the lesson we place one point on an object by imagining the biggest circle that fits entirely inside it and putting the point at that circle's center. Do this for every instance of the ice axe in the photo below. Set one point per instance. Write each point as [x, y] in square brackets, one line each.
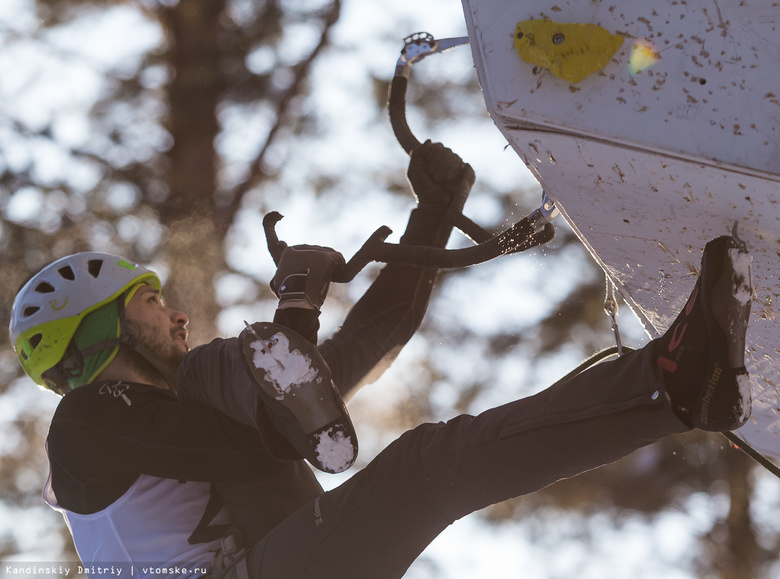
[416, 47]
[519, 237]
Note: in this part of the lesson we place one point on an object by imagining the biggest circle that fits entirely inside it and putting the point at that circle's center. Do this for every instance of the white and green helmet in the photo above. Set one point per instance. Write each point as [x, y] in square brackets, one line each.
[67, 321]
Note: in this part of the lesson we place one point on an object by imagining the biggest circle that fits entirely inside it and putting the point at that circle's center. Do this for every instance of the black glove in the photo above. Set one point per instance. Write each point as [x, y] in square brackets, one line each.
[439, 178]
[303, 276]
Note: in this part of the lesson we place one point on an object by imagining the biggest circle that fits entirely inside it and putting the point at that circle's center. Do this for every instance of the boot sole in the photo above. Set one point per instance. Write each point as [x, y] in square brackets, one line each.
[297, 387]
[725, 398]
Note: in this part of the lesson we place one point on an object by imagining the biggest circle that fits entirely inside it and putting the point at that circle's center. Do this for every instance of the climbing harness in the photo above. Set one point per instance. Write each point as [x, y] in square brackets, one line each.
[230, 560]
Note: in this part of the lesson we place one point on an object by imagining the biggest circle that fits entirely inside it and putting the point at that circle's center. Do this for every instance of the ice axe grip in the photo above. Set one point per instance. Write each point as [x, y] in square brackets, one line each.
[396, 106]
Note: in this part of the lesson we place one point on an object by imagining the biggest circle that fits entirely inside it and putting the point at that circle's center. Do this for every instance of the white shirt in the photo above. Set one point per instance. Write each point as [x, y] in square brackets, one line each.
[144, 533]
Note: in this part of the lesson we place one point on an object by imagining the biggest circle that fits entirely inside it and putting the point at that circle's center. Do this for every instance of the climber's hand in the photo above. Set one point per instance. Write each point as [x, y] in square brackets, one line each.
[304, 274]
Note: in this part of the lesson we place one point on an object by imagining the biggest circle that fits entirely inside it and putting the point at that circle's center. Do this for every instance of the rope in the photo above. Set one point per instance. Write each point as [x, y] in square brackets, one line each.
[611, 307]
[594, 359]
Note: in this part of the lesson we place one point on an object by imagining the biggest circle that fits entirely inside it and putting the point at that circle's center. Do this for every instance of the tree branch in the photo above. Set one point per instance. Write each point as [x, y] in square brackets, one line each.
[301, 73]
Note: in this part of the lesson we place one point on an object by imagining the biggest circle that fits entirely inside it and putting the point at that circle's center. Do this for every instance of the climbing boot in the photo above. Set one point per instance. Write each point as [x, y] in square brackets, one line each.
[702, 355]
[300, 398]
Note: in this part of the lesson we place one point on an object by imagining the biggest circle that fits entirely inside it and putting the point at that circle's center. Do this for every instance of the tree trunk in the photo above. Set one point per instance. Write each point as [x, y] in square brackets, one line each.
[738, 559]
[194, 93]
[194, 250]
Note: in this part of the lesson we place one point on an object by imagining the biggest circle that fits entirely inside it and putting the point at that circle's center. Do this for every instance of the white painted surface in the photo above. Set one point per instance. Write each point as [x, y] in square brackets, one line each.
[733, 48]
[648, 168]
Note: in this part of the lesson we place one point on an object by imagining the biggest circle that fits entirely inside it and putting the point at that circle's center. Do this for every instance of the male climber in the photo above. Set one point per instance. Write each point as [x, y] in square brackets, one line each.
[147, 471]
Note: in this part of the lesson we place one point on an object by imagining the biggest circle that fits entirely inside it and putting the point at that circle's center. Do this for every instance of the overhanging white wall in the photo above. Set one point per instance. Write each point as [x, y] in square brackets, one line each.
[647, 168]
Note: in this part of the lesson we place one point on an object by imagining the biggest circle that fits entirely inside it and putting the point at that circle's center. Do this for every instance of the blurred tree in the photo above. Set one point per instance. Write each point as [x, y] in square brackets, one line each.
[144, 168]
[151, 167]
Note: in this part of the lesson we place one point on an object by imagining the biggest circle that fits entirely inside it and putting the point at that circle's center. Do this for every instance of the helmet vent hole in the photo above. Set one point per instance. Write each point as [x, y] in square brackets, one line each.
[93, 267]
[35, 340]
[30, 310]
[44, 288]
[67, 273]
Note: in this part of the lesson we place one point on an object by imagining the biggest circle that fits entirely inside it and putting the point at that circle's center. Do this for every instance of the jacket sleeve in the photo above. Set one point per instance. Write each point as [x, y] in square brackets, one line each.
[388, 314]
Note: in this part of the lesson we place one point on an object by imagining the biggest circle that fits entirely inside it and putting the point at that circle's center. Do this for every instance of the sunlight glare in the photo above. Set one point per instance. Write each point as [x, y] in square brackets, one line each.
[643, 56]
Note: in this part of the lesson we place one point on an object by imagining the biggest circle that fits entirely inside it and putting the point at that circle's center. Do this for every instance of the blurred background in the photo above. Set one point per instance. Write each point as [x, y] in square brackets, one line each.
[164, 130]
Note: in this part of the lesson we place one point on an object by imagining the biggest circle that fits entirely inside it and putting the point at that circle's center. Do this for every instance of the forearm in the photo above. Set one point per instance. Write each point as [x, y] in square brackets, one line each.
[389, 313]
[392, 309]
[427, 227]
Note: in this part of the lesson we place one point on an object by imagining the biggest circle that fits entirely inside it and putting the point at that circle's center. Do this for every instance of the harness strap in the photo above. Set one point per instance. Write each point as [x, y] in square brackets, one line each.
[231, 559]
[205, 533]
[72, 363]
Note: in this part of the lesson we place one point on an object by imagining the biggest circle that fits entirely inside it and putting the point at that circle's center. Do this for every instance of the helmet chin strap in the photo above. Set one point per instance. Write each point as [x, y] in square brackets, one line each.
[72, 364]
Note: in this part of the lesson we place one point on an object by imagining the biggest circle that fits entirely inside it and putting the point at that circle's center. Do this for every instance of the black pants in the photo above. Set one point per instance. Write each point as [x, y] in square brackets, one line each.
[372, 335]
[379, 521]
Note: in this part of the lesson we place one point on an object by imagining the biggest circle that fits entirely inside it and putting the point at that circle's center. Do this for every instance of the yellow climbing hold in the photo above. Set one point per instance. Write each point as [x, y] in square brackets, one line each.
[571, 51]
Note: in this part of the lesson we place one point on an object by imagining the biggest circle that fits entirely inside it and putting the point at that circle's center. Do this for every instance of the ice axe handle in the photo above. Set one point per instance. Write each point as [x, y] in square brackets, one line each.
[520, 237]
[396, 105]
[275, 246]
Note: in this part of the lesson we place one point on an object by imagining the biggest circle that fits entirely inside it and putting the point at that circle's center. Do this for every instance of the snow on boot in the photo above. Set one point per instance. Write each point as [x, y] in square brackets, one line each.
[301, 400]
[702, 355]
